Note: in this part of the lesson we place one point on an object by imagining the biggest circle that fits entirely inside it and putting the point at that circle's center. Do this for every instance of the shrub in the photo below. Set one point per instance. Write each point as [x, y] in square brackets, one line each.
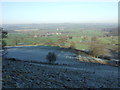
[51, 57]
[72, 46]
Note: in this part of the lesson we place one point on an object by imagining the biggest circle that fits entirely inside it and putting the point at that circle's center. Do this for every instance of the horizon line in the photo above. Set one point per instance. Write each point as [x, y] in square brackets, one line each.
[63, 23]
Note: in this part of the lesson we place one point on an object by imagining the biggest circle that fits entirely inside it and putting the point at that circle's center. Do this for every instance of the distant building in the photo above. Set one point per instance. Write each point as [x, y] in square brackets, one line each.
[57, 29]
[58, 33]
[35, 36]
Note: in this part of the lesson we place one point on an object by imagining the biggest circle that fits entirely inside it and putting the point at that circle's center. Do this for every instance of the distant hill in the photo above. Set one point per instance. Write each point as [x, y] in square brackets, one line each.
[59, 26]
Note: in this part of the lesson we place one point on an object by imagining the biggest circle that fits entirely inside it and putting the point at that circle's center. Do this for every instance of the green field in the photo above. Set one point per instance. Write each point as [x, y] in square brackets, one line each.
[82, 39]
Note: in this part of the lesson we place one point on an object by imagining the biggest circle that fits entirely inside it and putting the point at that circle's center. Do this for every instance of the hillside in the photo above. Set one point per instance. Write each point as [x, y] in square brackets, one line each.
[28, 68]
[20, 74]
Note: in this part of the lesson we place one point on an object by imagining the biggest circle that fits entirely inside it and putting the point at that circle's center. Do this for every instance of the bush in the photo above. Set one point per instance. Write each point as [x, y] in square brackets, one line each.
[51, 57]
[72, 46]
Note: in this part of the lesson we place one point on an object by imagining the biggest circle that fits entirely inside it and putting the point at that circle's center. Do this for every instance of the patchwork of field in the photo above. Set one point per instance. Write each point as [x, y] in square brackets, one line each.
[81, 38]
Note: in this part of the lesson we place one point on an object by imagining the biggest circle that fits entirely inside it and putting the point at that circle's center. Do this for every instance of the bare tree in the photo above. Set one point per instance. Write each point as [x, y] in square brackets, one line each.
[95, 39]
[16, 41]
[62, 41]
[72, 46]
[49, 42]
[98, 49]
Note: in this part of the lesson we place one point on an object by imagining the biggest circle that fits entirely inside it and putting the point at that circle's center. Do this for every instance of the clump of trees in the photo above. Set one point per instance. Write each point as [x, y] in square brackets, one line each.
[97, 50]
[48, 42]
[61, 41]
[85, 38]
[51, 57]
[3, 34]
[95, 39]
[70, 37]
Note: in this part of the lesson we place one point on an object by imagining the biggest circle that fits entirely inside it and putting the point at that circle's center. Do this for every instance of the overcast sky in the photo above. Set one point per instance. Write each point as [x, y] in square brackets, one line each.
[58, 12]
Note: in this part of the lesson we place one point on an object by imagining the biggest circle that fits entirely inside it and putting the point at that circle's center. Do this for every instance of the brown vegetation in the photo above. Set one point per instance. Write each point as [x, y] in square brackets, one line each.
[98, 49]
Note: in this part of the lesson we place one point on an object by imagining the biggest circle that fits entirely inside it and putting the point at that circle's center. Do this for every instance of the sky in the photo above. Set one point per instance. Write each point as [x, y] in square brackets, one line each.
[58, 12]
